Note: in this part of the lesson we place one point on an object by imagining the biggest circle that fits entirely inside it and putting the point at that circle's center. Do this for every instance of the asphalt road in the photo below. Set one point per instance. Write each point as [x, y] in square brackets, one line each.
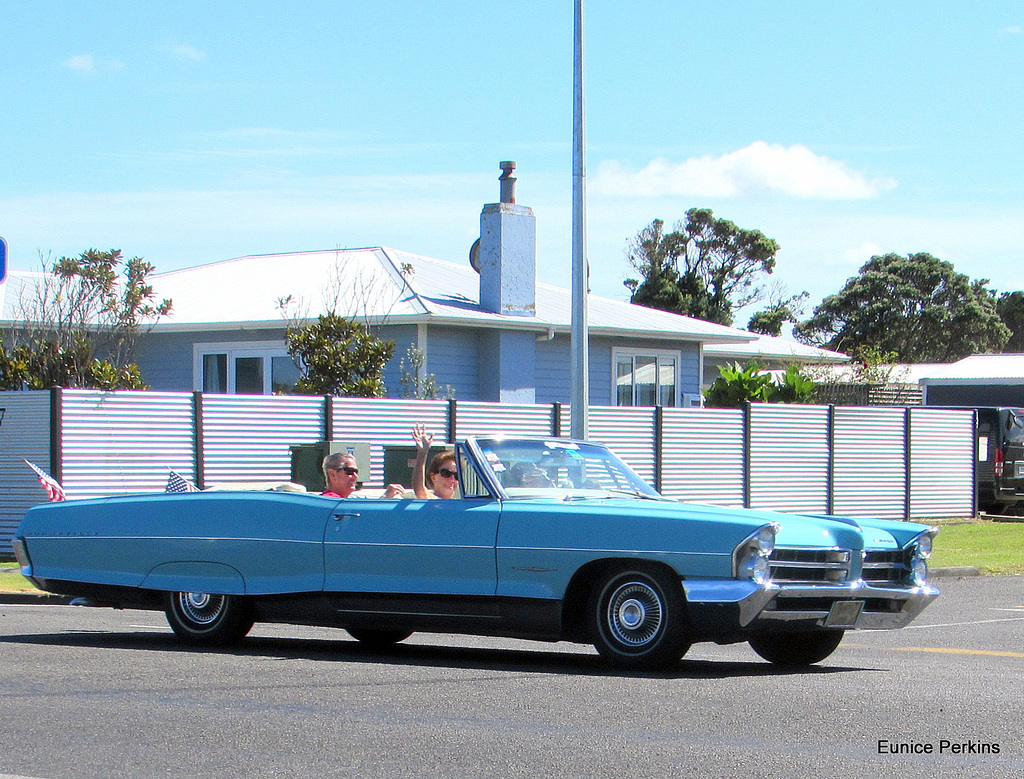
[98, 693]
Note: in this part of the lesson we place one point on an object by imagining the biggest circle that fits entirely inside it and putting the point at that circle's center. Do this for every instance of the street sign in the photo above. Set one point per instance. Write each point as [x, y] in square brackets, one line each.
[3, 260]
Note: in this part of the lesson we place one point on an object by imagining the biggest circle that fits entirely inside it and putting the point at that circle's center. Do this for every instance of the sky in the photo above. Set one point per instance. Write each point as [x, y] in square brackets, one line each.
[192, 132]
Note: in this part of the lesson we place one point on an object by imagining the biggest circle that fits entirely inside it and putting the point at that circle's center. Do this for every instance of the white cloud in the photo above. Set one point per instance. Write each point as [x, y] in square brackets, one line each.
[83, 63]
[1014, 30]
[757, 168]
[189, 52]
[87, 65]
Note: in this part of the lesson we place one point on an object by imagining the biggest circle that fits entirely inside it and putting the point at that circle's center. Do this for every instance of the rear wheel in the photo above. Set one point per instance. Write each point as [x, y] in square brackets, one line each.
[797, 648]
[378, 638]
[638, 619]
[208, 620]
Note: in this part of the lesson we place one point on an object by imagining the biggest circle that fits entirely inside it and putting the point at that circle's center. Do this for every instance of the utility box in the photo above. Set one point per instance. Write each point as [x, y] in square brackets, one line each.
[307, 461]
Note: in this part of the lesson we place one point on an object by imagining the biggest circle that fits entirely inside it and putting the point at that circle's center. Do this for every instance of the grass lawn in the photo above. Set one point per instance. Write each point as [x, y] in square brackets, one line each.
[991, 547]
[11, 580]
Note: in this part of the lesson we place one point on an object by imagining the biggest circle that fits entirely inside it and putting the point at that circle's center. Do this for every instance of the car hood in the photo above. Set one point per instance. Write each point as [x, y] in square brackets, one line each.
[795, 530]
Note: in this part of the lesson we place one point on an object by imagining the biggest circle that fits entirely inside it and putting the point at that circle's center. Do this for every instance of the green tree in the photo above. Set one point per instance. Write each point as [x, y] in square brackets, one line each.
[78, 326]
[339, 356]
[1010, 307]
[48, 364]
[769, 321]
[704, 268]
[915, 306]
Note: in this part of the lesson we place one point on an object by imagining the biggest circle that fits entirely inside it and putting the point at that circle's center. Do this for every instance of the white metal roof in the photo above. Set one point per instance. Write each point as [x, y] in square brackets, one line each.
[773, 348]
[388, 285]
[383, 284]
[979, 369]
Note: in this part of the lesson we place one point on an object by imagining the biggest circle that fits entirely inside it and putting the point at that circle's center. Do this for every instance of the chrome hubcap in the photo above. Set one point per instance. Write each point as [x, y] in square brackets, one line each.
[635, 614]
[631, 614]
[200, 607]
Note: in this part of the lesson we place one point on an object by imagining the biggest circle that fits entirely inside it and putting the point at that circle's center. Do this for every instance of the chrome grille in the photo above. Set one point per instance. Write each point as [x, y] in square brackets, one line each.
[810, 565]
[889, 566]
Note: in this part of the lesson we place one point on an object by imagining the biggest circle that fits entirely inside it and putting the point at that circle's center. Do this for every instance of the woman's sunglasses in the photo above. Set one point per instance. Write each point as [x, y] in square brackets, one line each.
[447, 474]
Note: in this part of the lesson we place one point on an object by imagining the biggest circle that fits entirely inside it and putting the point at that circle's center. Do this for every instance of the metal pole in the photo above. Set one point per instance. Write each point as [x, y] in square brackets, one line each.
[579, 340]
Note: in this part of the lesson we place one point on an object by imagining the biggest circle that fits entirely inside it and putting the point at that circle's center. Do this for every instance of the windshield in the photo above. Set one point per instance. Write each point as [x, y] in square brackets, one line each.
[1015, 423]
[564, 469]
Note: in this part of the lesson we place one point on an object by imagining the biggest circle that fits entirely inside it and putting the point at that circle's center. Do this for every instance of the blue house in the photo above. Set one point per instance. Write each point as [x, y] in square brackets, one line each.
[489, 330]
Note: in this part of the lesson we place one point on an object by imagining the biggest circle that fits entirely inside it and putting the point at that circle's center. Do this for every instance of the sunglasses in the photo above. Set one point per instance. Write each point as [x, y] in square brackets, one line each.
[447, 474]
[347, 469]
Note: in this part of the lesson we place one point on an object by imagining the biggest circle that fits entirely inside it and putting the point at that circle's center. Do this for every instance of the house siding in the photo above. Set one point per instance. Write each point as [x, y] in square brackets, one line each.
[553, 359]
[404, 337]
[166, 359]
[453, 358]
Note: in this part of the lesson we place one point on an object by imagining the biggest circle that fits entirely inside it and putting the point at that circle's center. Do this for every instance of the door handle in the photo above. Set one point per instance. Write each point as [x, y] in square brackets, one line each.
[346, 515]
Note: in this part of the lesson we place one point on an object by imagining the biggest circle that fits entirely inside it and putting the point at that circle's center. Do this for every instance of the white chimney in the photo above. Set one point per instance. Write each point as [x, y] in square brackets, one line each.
[508, 252]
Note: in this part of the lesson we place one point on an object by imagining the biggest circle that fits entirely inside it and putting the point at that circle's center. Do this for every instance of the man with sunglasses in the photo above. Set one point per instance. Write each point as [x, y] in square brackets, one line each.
[341, 474]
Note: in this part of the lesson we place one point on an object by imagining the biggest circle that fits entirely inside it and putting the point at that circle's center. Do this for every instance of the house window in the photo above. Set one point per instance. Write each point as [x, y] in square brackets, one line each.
[254, 368]
[646, 378]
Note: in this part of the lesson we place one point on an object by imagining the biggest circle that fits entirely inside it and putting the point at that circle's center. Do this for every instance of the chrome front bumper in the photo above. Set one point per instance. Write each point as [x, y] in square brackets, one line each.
[756, 606]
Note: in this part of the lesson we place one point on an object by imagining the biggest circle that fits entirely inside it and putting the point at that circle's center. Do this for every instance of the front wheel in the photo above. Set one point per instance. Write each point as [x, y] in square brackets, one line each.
[638, 619]
[208, 620]
[797, 648]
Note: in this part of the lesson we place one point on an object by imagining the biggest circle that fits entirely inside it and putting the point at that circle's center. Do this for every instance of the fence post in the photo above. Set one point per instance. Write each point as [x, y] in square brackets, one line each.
[659, 430]
[328, 417]
[830, 477]
[197, 440]
[57, 434]
[906, 462]
[974, 463]
[452, 420]
[746, 454]
[556, 419]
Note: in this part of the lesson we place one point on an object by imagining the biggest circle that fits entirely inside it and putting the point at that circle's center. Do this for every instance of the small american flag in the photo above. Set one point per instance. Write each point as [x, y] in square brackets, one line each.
[50, 484]
[178, 483]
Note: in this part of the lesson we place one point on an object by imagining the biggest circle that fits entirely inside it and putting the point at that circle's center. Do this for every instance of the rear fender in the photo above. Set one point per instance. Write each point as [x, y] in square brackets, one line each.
[195, 576]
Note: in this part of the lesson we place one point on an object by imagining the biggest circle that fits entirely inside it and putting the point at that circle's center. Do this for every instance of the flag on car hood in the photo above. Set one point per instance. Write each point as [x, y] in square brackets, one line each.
[50, 484]
[178, 483]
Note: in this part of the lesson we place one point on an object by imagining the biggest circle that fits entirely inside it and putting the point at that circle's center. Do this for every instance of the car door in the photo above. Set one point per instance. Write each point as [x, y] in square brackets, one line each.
[426, 547]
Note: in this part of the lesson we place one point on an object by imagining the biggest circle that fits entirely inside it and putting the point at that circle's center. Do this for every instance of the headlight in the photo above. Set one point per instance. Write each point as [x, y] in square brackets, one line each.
[750, 558]
[919, 572]
[766, 539]
[924, 542]
[759, 569]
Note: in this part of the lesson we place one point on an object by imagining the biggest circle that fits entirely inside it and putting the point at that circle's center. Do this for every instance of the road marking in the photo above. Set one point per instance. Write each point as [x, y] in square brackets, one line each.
[958, 624]
[939, 650]
[957, 651]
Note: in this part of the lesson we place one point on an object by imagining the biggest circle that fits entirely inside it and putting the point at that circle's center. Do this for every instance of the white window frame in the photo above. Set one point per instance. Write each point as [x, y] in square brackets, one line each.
[659, 355]
[234, 349]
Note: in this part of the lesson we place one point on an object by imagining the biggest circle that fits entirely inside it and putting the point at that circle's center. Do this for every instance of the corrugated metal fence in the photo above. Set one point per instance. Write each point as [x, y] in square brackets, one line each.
[884, 462]
[24, 433]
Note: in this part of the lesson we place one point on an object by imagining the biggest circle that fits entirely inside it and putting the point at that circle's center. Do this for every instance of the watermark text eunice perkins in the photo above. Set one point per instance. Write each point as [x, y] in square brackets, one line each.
[941, 747]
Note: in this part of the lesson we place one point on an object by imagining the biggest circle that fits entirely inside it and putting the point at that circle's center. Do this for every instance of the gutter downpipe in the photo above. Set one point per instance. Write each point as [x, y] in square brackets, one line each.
[579, 338]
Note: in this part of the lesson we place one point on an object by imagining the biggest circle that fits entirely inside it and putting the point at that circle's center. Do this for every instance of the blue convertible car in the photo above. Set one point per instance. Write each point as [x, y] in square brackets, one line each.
[549, 539]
